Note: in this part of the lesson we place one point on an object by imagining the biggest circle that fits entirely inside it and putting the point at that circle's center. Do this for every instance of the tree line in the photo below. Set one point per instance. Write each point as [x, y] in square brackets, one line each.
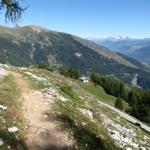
[72, 73]
[138, 99]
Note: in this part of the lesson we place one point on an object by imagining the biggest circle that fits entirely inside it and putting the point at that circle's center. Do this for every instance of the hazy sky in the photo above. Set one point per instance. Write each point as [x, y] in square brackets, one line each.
[90, 18]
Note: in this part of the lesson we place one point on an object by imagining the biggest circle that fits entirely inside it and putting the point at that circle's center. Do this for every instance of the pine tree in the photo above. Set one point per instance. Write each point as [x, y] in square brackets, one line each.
[123, 92]
[132, 98]
[119, 103]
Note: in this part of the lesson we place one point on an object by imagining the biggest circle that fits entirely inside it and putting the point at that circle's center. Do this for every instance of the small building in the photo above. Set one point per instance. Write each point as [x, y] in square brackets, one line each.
[85, 79]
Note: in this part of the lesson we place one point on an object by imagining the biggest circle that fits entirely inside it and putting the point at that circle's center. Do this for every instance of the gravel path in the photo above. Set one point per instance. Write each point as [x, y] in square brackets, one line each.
[43, 131]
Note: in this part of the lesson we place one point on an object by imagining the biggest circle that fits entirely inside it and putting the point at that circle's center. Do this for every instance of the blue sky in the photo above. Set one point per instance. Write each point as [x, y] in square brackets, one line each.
[90, 18]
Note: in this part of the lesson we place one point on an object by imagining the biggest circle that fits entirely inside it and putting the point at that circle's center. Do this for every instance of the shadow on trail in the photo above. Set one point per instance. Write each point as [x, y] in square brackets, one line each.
[86, 140]
[55, 147]
[12, 140]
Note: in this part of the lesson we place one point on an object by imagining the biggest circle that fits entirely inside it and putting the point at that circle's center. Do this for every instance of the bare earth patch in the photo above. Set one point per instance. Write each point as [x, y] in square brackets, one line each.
[43, 132]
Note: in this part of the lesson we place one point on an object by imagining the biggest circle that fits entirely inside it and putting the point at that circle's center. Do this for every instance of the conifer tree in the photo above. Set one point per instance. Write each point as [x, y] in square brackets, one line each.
[119, 103]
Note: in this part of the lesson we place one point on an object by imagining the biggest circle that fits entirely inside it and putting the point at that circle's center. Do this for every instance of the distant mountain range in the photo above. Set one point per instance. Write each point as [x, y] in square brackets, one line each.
[31, 45]
[135, 48]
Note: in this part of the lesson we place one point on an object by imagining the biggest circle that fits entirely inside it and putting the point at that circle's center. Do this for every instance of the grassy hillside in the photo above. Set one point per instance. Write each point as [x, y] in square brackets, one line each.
[89, 133]
[76, 106]
[98, 93]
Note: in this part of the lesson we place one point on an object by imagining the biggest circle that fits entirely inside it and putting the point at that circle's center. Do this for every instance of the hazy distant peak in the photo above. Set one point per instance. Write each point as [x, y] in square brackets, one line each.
[118, 37]
[112, 38]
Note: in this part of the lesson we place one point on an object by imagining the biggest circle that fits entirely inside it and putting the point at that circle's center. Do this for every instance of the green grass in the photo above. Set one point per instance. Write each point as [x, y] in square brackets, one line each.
[9, 94]
[89, 136]
[74, 98]
[98, 93]
[86, 139]
[37, 85]
[33, 83]
[8, 91]
[83, 95]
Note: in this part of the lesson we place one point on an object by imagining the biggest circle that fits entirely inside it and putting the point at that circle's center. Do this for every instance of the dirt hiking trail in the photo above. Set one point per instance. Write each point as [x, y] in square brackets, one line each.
[43, 132]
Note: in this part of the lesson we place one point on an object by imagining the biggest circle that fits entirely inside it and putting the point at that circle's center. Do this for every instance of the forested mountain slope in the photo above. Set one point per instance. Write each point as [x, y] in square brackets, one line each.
[30, 45]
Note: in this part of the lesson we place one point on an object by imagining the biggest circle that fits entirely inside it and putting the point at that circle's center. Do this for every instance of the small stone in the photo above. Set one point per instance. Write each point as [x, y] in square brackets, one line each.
[142, 148]
[13, 129]
[87, 113]
[135, 145]
[61, 98]
[1, 142]
[3, 73]
[37, 78]
[83, 124]
[3, 107]
[128, 148]
[45, 116]
[146, 138]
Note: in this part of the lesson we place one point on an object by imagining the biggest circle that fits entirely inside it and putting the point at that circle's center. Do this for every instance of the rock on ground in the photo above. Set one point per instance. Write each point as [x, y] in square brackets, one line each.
[1, 142]
[3, 107]
[13, 129]
[35, 77]
[87, 113]
[121, 134]
[3, 73]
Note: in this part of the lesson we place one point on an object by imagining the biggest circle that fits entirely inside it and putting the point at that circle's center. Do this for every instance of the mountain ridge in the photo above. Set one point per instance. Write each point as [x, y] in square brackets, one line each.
[32, 45]
[132, 47]
[106, 52]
